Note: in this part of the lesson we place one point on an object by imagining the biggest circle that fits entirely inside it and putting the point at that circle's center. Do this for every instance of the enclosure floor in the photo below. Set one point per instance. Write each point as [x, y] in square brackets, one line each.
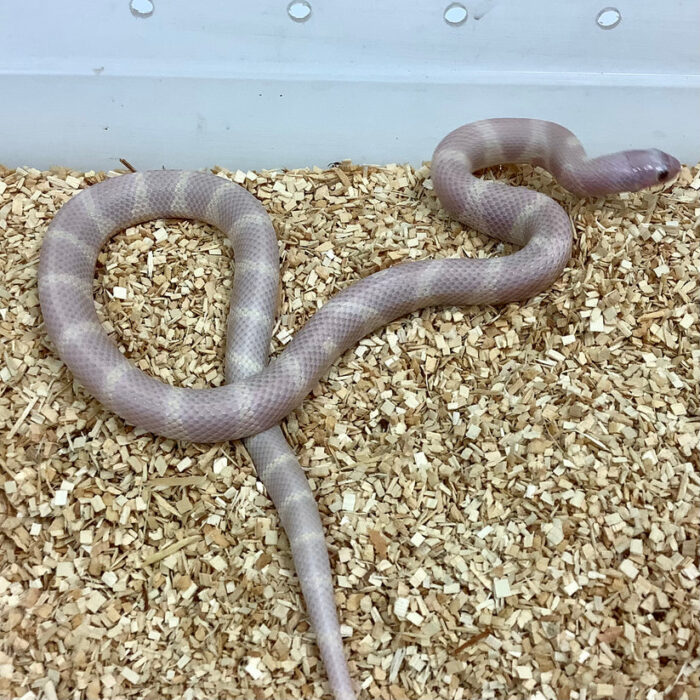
[511, 495]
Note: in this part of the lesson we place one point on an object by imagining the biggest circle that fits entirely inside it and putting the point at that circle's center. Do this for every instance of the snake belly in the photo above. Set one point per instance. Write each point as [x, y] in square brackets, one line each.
[259, 393]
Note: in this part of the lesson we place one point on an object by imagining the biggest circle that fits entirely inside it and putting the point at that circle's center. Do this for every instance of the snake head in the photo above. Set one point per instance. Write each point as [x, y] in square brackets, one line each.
[646, 168]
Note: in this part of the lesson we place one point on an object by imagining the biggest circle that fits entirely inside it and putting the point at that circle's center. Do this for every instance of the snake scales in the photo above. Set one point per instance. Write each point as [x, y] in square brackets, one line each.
[258, 395]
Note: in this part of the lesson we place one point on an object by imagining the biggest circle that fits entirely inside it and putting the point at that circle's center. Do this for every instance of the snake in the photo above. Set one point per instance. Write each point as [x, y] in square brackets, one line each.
[259, 392]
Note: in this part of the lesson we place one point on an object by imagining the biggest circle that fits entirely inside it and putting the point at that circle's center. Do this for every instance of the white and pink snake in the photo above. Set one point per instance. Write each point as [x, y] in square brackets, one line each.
[258, 395]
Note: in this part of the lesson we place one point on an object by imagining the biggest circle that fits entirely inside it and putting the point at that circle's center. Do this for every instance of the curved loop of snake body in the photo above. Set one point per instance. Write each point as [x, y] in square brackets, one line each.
[258, 395]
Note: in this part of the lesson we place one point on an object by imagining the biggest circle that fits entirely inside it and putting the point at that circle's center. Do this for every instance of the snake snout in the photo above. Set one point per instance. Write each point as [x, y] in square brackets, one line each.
[663, 166]
[668, 168]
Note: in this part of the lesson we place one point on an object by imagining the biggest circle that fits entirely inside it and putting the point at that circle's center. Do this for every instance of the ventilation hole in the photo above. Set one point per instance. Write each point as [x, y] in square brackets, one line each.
[662, 175]
[455, 14]
[608, 18]
[141, 8]
[299, 10]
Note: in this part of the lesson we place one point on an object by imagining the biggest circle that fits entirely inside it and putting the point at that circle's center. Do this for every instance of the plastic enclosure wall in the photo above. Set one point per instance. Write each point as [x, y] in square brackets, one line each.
[244, 85]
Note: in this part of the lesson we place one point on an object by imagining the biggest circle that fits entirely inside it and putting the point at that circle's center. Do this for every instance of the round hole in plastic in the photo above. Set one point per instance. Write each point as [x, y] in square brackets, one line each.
[141, 8]
[455, 14]
[299, 10]
[608, 18]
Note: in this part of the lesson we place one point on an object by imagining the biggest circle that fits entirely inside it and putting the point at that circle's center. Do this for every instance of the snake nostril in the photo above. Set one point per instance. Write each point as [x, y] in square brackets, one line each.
[661, 175]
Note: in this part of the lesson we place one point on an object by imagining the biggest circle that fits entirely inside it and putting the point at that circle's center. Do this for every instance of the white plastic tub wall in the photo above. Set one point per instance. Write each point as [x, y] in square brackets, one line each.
[174, 83]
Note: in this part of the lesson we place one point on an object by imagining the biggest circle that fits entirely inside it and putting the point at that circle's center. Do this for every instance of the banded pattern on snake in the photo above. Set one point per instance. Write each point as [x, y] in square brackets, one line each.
[258, 395]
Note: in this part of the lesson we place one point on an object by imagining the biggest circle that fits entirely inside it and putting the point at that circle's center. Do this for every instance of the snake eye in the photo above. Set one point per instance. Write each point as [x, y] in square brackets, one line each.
[661, 175]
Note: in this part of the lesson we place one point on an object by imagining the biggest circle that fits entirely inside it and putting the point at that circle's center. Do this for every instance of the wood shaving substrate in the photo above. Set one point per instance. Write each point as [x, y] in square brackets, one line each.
[511, 495]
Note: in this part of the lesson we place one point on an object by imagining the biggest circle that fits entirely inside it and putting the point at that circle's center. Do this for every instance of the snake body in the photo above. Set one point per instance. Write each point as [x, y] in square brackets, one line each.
[257, 395]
